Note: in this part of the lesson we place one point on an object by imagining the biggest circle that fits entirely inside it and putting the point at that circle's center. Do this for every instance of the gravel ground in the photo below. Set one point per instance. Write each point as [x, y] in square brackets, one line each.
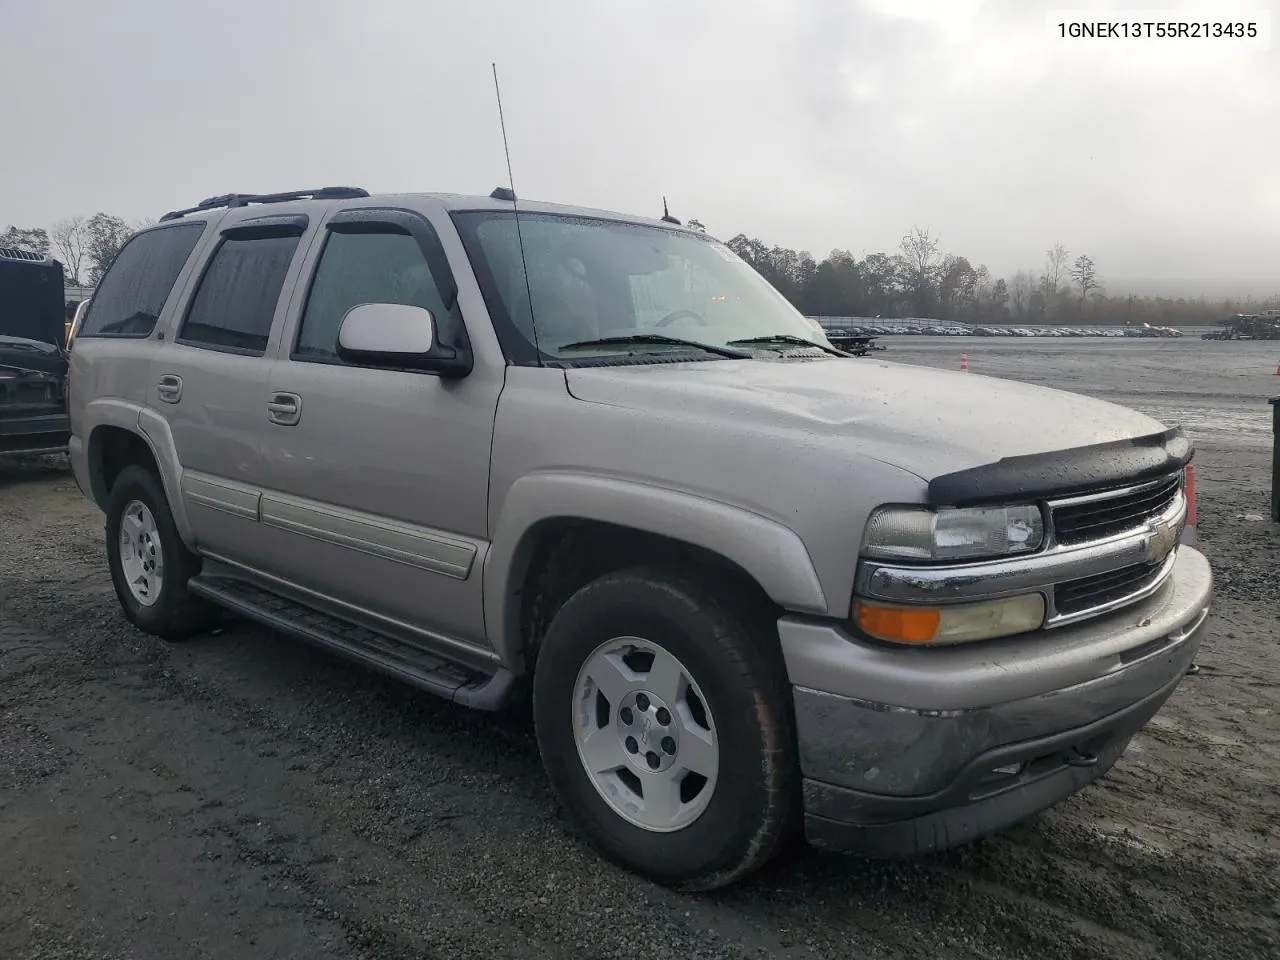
[243, 795]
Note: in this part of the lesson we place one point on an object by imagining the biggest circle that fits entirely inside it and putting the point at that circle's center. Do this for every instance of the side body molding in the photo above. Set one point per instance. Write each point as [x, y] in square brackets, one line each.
[771, 553]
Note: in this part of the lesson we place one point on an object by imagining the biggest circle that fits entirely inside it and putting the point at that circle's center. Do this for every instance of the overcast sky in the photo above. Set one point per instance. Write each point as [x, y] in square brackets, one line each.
[808, 123]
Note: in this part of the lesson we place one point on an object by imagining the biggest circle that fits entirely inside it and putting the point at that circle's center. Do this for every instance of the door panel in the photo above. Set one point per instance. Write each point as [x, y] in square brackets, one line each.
[378, 493]
[217, 427]
[380, 490]
[209, 382]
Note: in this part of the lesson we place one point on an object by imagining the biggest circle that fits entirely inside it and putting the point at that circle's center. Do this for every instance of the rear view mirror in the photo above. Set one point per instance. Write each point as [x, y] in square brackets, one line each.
[397, 335]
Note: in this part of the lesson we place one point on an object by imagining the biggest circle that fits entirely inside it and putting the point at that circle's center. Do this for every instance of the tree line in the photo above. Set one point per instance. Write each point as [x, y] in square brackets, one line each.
[920, 280]
[85, 246]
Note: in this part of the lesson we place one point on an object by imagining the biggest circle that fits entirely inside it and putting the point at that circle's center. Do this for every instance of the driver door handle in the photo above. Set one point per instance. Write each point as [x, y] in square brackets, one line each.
[169, 389]
[284, 409]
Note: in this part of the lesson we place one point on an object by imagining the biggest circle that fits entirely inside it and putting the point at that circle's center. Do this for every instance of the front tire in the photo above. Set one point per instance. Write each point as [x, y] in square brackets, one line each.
[664, 723]
[150, 565]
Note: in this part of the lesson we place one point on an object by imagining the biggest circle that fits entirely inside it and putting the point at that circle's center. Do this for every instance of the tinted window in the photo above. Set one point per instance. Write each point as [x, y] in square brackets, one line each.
[360, 268]
[237, 296]
[130, 297]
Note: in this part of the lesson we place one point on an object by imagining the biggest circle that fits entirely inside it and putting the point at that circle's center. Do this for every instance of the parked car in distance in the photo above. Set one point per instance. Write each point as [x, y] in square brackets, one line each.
[752, 585]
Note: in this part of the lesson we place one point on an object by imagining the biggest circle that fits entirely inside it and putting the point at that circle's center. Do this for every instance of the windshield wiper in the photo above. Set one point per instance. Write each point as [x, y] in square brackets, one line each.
[786, 338]
[640, 338]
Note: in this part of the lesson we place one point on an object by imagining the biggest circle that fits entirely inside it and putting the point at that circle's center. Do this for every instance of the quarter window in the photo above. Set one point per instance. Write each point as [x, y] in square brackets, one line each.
[131, 295]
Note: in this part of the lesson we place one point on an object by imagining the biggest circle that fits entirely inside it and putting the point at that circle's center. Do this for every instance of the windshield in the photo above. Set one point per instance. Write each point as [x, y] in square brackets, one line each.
[594, 279]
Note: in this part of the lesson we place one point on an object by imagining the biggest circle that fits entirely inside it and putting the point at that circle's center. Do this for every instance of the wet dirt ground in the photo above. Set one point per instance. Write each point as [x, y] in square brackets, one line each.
[244, 795]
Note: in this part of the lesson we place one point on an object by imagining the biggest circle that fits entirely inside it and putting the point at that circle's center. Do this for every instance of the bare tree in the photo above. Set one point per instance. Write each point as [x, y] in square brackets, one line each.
[1055, 267]
[920, 265]
[1085, 274]
[70, 239]
[920, 250]
[697, 225]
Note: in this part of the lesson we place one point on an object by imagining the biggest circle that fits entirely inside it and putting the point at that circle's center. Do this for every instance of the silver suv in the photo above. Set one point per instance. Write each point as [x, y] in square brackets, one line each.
[752, 585]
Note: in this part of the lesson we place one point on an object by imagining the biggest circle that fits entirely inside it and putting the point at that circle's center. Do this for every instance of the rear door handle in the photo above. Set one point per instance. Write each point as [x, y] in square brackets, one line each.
[284, 409]
[169, 388]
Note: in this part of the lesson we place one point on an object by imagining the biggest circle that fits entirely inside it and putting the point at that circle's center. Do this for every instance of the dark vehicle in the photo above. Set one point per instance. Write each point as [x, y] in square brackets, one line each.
[849, 337]
[33, 361]
[1248, 326]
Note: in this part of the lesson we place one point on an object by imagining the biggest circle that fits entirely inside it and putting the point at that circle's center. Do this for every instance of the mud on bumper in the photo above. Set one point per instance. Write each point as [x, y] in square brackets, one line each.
[996, 789]
[884, 780]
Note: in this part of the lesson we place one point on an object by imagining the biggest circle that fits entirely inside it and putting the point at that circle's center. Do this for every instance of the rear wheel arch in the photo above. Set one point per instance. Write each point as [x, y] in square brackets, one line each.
[109, 450]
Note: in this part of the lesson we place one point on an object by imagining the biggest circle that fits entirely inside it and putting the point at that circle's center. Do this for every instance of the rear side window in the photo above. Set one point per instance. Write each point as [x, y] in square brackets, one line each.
[131, 295]
[236, 300]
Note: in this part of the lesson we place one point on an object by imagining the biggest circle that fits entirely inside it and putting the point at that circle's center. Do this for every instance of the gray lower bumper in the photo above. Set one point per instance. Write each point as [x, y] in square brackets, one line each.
[34, 434]
[940, 756]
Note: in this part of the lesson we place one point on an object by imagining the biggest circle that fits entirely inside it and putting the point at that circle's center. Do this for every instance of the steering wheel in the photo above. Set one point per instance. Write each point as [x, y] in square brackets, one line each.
[675, 315]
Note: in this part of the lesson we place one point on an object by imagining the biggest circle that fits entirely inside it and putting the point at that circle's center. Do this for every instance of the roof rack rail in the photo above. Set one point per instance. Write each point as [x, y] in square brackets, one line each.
[244, 199]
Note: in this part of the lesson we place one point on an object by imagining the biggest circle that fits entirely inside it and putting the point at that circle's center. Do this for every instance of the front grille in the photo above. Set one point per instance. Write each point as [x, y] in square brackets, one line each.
[1097, 519]
[1075, 596]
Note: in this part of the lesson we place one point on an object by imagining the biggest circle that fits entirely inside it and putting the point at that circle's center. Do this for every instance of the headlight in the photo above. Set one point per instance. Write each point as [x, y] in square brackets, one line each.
[970, 533]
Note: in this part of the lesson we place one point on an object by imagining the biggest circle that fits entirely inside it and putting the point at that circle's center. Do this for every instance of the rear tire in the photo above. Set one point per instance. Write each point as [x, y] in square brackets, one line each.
[150, 565]
[713, 713]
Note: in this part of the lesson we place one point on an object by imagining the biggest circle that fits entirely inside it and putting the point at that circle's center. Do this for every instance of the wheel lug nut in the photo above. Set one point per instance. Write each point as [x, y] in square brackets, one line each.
[652, 759]
[632, 746]
[626, 716]
[669, 746]
[642, 702]
[664, 716]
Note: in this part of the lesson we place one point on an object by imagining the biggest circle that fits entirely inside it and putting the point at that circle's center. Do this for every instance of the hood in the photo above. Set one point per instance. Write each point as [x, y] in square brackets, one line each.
[18, 354]
[927, 421]
[32, 300]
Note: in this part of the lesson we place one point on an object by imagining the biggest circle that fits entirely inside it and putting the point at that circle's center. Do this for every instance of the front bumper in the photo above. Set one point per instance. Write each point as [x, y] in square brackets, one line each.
[34, 433]
[908, 750]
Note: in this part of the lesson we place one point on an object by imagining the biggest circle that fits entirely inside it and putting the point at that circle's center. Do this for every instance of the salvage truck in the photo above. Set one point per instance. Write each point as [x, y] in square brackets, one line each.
[752, 586]
[33, 359]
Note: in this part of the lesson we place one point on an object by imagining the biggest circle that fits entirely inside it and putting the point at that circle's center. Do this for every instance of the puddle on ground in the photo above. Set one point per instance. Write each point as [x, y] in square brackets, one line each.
[1244, 427]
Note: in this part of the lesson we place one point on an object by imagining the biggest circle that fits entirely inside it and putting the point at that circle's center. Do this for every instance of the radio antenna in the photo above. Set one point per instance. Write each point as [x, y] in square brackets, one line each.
[515, 210]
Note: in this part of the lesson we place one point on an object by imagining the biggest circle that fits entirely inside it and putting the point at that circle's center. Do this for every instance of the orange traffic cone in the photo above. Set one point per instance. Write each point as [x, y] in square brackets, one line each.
[964, 364]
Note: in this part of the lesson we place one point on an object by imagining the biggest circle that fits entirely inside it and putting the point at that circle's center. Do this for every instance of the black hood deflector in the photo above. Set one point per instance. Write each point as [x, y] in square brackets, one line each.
[1059, 473]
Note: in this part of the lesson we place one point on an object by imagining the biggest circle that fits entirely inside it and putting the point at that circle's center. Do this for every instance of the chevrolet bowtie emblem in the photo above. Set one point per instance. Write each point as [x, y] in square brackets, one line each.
[1163, 539]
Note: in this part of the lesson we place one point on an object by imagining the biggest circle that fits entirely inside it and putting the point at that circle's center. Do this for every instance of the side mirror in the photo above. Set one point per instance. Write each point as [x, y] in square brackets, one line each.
[399, 336]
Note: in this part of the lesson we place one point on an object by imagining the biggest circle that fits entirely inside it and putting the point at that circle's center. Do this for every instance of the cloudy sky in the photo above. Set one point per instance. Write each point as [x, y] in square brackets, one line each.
[809, 123]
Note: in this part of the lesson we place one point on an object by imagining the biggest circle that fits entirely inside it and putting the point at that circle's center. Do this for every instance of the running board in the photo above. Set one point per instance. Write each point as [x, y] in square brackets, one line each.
[444, 678]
